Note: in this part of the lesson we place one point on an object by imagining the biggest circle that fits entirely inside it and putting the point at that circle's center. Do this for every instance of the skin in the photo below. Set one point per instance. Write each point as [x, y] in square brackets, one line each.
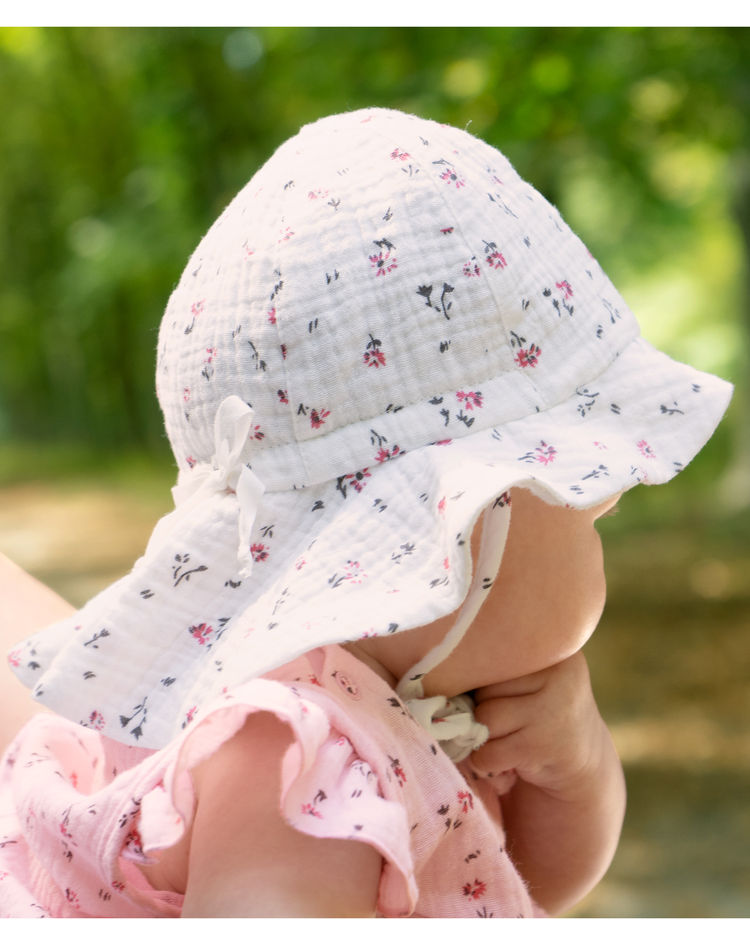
[522, 657]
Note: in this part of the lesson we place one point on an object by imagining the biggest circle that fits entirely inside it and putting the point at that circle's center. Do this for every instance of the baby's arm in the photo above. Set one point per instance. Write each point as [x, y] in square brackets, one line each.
[247, 861]
[564, 814]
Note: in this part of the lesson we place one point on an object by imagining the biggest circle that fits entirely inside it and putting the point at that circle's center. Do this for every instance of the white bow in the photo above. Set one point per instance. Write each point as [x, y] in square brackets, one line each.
[225, 473]
[451, 722]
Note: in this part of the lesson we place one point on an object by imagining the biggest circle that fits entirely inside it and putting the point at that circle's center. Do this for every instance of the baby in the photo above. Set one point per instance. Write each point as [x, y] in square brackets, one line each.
[400, 393]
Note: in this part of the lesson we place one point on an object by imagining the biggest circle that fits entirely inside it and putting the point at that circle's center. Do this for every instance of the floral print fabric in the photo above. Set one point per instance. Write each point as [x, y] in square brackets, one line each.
[79, 812]
[411, 330]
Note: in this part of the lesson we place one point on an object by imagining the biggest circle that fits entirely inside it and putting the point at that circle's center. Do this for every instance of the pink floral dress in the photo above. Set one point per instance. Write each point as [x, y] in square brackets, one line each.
[79, 812]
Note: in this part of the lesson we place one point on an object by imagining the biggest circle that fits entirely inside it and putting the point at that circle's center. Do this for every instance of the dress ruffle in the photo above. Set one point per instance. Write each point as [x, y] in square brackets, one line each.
[80, 813]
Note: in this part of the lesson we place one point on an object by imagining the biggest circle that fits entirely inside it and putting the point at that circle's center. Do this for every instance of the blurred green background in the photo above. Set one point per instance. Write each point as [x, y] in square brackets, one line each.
[119, 147]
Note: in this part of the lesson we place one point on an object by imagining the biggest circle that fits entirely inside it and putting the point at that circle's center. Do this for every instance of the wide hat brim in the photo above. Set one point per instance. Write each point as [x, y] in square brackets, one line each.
[374, 552]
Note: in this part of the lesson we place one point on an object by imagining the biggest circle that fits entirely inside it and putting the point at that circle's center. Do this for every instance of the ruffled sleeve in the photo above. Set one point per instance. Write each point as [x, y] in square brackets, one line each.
[328, 790]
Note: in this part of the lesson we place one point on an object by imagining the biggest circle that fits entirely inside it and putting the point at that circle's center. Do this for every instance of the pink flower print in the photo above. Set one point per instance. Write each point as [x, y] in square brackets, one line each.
[311, 810]
[451, 176]
[373, 356]
[318, 418]
[398, 155]
[475, 890]
[493, 256]
[283, 352]
[283, 396]
[441, 506]
[300, 563]
[208, 370]
[470, 399]
[358, 480]
[600, 446]
[466, 801]
[249, 252]
[471, 268]
[383, 454]
[191, 461]
[186, 394]
[258, 551]
[96, 720]
[72, 898]
[256, 433]
[134, 842]
[354, 573]
[201, 632]
[190, 715]
[565, 288]
[398, 771]
[63, 826]
[447, 564]
[286, 234]
[14, 658]
[382, 263]
[197, 307]
[543, 453]
[528, 357]
[645, 449]
[272, 316]
[317, 194]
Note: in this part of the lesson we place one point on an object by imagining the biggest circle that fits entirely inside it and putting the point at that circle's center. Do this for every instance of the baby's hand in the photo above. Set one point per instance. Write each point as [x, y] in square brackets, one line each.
[545, 726]
[563, 815]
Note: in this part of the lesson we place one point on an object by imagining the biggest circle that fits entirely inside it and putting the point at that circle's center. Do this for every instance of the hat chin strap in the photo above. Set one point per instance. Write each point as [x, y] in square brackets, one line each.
[494, 535]
[451, 723]
[226, 474]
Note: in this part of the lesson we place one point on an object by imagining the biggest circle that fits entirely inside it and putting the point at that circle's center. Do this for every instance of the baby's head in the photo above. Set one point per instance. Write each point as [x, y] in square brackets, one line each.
[384, 332]
[386, 291]
[384, 283]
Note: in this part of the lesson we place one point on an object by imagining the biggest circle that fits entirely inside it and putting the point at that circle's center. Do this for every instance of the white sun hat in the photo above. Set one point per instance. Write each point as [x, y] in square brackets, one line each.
[384, 332]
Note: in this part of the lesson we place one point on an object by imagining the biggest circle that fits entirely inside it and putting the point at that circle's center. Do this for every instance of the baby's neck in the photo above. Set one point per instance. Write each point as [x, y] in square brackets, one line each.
[391, 657]
[369, 660]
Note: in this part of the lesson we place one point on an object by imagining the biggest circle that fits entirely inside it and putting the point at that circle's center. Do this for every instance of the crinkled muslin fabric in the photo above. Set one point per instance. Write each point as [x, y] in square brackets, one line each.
[384, 332]
[82, 813]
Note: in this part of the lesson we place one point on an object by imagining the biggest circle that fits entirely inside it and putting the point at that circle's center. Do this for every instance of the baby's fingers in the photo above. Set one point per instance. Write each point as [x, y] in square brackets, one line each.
[508, 744]
[511, 753]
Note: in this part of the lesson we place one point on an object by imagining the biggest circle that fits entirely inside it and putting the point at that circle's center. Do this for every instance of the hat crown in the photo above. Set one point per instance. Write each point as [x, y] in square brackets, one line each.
[382, 283]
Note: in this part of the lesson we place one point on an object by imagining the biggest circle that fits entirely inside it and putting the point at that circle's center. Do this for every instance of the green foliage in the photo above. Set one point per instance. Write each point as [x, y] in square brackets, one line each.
[120, 146]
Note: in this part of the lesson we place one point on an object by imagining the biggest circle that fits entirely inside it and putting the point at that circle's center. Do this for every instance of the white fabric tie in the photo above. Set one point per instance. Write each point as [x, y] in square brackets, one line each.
[226, 473]
[451, 723]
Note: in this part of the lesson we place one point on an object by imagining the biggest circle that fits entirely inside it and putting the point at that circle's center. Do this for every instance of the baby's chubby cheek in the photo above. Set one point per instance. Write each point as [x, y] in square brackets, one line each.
[577, 607]
[575, 628]
[541, 615]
